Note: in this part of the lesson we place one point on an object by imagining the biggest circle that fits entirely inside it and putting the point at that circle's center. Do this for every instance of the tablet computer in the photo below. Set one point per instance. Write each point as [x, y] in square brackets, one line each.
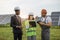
[32, 23]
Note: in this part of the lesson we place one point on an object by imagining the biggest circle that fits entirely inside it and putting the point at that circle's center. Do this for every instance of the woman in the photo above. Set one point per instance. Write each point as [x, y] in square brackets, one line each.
[31, 31]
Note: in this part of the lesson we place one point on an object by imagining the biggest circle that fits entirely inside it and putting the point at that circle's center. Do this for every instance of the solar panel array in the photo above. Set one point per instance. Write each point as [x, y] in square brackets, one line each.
[55, 18]
[4, 19]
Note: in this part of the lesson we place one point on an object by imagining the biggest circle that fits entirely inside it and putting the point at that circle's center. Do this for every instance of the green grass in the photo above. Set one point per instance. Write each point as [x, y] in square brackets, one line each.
[6, 33]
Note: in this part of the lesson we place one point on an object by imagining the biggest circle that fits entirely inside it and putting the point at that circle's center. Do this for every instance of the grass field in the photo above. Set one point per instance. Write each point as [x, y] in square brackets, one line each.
[6, 34]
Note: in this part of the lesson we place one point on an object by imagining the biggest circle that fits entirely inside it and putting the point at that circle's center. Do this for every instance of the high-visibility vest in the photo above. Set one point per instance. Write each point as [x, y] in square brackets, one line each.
[30, 31]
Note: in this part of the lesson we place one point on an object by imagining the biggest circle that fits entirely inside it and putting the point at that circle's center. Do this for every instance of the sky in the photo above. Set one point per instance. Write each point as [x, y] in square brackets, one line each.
[27, 6]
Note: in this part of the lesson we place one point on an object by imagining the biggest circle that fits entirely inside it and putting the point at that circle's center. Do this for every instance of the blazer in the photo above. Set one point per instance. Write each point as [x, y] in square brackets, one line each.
[14, 22]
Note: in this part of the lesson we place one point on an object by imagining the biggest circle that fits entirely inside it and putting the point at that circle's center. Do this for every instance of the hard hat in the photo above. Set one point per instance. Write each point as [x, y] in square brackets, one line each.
[16, 8]
[31, 13]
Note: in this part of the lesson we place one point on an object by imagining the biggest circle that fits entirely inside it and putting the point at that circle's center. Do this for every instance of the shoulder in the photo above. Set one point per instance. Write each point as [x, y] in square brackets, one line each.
[48, 18]
[13, 16]
[26, 20]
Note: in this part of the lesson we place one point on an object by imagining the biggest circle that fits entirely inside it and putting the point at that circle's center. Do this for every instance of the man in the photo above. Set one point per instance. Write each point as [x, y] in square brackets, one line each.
[16, 24]
[45, 23]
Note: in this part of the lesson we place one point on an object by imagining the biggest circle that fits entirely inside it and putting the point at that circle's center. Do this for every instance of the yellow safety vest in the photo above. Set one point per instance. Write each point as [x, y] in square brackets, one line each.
[30, 31]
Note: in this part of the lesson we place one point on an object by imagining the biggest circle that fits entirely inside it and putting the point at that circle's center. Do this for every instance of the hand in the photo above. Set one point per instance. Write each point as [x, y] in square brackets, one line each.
[30, 25]
[42, 23]
[18, 27]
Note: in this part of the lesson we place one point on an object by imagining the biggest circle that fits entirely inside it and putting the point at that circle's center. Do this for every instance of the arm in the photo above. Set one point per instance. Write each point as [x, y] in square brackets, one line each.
[12, 23]
[49, 22]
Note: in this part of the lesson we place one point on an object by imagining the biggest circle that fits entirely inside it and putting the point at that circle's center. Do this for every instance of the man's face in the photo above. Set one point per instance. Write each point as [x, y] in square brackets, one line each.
[17, 12]
[43, 13]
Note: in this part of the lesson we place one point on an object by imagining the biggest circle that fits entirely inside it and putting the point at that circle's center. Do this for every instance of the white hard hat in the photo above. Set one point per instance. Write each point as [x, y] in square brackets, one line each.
[16, 8]
[31, 13]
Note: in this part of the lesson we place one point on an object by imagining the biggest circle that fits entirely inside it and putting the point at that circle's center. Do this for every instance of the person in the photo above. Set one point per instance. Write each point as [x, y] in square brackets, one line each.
[30, 31]
[16, 24]
[45, 22]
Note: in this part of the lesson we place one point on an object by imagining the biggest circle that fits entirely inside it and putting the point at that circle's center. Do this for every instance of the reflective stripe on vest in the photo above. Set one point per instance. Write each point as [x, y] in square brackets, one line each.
[31, 31]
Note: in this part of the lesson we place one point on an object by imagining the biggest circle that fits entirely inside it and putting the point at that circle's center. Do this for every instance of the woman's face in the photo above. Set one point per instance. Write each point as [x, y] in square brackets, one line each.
[31, 17]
